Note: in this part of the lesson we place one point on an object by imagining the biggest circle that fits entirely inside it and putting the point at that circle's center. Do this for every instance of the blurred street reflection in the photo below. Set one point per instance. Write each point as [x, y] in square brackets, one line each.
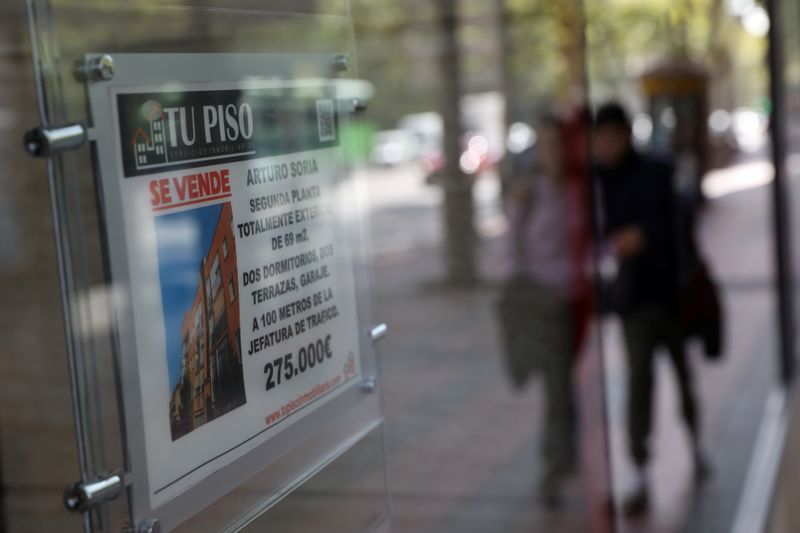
[552, 362]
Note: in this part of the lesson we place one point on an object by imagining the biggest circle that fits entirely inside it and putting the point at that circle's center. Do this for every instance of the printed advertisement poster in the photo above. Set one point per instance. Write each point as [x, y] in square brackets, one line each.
[242, 280]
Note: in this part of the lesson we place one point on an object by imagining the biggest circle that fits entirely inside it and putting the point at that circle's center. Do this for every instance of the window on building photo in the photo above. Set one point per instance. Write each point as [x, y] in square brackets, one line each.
[216, 276]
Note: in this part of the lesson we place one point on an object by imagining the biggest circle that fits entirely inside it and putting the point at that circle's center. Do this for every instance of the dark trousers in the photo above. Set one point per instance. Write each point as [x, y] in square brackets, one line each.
[645, 330]
[557, 338]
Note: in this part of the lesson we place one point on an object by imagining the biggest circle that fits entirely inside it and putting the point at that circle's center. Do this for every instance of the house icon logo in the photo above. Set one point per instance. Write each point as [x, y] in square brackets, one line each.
[149, 144]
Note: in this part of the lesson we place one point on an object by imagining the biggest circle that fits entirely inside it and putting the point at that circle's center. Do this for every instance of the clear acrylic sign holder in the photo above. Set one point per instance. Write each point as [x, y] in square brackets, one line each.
[89, 57]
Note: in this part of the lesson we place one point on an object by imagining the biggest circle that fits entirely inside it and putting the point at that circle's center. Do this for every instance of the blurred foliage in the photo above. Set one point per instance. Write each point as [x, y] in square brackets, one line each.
[398, 48]
[791, 37]
[533, 50]
[396, 43]
[627, 37]
[545, 57]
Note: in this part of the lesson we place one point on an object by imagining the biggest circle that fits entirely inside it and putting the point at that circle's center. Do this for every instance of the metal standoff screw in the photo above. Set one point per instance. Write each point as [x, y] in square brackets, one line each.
[340, 63]
[83, 496]
[359, 106]
[103, 67]
[378, 332]
[44, 142]
[369, 384]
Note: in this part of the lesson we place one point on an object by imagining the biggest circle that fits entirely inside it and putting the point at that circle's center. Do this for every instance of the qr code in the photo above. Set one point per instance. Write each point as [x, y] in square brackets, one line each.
[325, 121]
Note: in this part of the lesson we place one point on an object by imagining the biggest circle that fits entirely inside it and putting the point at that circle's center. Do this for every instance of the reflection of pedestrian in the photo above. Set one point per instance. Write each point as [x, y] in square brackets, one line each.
[639, 222]
[543, 212]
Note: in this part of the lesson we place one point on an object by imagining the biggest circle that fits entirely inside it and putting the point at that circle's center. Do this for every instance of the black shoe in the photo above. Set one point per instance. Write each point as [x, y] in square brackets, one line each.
[636, 504]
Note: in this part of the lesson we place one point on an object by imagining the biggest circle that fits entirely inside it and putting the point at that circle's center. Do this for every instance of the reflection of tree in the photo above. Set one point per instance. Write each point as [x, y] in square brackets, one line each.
[397, 45]
[460, 237]
[625, 37]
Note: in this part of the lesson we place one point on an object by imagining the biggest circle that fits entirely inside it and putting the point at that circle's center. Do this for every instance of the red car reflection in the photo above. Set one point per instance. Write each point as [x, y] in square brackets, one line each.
[476, 158]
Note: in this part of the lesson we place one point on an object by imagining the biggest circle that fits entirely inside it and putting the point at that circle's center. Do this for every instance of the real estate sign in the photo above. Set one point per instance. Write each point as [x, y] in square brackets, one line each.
[241, 281]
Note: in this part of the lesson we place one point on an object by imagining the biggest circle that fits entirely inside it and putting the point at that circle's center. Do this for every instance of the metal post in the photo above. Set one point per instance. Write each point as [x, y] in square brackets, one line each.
[781, 216]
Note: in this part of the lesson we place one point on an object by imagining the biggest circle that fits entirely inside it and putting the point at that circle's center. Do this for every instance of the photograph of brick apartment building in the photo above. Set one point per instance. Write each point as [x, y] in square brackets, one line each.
[209, 382]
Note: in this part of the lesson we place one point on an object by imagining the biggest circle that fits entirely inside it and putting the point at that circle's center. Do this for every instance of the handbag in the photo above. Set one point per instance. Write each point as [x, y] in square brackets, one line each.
[535, 324]
[701, 312]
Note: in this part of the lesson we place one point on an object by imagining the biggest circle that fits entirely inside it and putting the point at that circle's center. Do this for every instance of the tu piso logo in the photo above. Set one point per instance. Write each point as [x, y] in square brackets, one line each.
[149, 144]
[173, 130]
[184, 129]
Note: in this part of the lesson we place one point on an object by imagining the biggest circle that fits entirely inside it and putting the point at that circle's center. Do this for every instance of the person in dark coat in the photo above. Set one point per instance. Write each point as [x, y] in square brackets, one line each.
[639, 226]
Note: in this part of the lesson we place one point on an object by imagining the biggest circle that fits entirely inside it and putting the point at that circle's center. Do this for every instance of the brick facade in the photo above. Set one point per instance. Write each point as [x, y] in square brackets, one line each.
[211, 381]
